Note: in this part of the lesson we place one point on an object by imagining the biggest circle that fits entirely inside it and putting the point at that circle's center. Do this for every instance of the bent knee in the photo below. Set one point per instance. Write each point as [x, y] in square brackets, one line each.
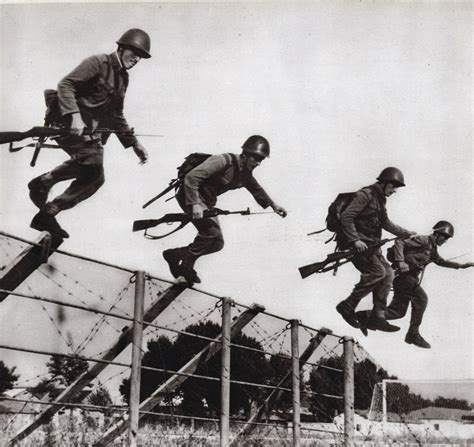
[219, 243]
[95, 174]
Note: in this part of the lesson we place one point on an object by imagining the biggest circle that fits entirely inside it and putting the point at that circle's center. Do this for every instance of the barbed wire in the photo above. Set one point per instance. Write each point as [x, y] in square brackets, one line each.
[274, 341]
[96, 327]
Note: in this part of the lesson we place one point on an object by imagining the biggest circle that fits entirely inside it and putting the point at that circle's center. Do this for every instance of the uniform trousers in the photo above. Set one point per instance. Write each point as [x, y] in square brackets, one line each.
[209, 238]
[406, 290]
[85, 168]
[376, 278]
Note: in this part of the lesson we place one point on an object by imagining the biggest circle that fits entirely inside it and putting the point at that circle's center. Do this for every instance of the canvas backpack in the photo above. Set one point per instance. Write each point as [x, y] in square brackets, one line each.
[190, 162]
[333, 218]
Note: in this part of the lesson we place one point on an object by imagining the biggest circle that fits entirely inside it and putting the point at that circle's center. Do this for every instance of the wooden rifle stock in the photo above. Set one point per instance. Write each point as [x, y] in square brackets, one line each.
[332, 261]
[139, 225]
[309, 269]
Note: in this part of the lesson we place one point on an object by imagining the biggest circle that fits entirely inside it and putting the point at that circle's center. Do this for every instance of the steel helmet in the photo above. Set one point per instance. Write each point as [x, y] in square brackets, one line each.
[444, 227]
[138, 40]
[257, 145]
[392, 175]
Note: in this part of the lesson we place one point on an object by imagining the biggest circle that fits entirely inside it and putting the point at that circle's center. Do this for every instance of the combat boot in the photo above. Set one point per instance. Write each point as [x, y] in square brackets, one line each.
[377, 323]
[413, 338]
[186, 269]
[45, 222]
[347, 312]
[363, 319]
[38, 192]
[173, 257]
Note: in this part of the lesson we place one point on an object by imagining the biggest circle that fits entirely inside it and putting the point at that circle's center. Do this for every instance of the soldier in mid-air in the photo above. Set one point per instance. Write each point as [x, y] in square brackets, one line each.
[199, 192]
[410, 257]
[91, 96]
[362, 222]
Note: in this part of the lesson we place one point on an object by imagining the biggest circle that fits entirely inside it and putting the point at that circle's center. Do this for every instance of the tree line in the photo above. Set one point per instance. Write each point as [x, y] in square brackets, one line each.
[201, 397]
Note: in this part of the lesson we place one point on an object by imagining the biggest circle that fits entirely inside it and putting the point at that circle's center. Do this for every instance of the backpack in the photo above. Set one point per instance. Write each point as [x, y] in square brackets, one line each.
[190, 162]
[333, 218]
[411, 251]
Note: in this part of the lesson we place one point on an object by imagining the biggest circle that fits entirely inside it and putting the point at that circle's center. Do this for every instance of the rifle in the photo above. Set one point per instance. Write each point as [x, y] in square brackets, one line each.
[42, 133]
[184, 218]
[51, 132]
[336, 259]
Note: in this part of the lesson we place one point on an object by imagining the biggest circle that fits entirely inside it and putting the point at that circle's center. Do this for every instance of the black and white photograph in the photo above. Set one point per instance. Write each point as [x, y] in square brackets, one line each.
[236, 223]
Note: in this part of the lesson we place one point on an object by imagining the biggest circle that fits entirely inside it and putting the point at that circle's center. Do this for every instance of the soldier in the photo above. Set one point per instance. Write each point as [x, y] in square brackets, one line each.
[199, 192]
[410, 257]
[91, 96]
[362, 223]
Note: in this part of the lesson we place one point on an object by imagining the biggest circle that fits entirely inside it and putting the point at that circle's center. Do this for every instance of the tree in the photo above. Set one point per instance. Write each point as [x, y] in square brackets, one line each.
[66, 369]
[7, 377]
[100, 397]
[201, 396]
[328, 381]
[63, 371]
[280, 368]
[159, 354]
[452, 402]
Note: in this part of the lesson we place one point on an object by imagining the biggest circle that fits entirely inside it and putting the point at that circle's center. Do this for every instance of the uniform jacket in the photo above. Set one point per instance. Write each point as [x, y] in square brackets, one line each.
[366, 216]
[96, 88]
[218, 174]
[419, 251]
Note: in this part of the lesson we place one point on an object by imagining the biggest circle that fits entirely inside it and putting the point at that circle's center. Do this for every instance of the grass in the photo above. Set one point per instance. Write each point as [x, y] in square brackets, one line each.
[83, 429]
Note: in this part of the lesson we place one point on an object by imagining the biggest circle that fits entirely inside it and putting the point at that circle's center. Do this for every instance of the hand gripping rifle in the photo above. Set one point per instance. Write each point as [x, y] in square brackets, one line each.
[184, 219]
[338, 258]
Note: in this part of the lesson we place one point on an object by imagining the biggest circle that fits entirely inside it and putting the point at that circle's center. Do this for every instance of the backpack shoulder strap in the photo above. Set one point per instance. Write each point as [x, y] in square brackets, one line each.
[233, 160]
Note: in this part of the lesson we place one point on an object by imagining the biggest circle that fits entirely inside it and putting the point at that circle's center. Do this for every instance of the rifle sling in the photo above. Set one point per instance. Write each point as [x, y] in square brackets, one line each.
[43, 145]
[155, 238]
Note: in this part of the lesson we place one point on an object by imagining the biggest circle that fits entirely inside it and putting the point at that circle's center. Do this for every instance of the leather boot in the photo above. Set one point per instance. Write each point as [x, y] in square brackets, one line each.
[173, 257]
[416, 339]
[363, 319]
[186, 269]
[45, 222]
[380, 324]
[347, 312]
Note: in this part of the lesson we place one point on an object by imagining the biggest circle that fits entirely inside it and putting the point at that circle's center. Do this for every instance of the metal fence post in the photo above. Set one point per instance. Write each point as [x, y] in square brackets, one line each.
[135, 376]
[225, 371]
[295, 368]
[348, 392]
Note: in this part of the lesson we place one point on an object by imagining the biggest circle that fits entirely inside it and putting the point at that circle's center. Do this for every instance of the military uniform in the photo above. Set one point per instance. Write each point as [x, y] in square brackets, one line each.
[96, 88]
[363, 219]
[417, 252]
[215, 176]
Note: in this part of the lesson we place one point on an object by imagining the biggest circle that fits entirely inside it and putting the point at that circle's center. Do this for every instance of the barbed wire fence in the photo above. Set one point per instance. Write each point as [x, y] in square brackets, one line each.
[254, 378]
[136, 310]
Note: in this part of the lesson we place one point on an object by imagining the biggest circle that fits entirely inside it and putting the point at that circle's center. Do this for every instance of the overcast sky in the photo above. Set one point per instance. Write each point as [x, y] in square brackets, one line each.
[341, 90]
